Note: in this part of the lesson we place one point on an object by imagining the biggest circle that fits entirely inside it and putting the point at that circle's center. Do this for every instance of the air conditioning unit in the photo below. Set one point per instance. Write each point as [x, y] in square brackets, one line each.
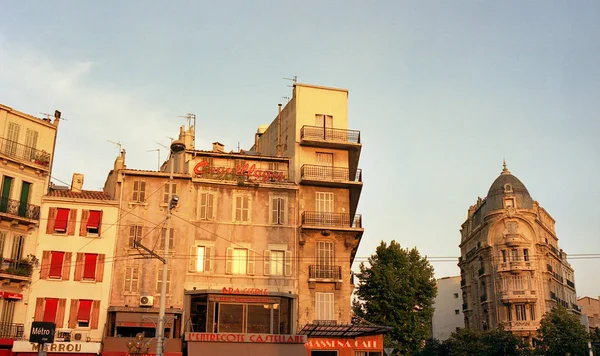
[63, 335]
[146, 301]
[79, 336]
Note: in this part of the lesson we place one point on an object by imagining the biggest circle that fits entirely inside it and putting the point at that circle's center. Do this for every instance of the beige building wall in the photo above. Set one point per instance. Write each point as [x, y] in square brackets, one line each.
[80, 242]
[26, 155]
[591, 307]
[448, 315]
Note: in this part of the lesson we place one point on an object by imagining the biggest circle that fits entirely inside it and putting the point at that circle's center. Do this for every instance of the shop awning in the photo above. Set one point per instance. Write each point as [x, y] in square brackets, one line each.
[13, 296]
[245, 349]
[347, 330]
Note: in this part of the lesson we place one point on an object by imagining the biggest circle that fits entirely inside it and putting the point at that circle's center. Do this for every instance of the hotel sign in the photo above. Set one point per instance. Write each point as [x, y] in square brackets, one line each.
[247, 338]
[62, 347]
[242, 170]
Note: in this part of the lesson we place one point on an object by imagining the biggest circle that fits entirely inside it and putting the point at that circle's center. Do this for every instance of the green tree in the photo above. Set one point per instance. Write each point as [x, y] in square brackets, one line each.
[561, 333]
[595, 337]
[397, 289]
[495, 342]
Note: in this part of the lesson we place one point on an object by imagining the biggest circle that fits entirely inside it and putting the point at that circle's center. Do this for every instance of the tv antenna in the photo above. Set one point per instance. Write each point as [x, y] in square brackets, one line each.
[160, 144]
[286, 98]
[190, 117]
[294, 79]
[118, 144]
[48, 116]
[156, 150]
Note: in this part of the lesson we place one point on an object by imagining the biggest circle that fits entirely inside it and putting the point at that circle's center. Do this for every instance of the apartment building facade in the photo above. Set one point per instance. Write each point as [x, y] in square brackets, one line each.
[26, 154]
[591, 307]
[75, 248]
[448, 315]
[511, 266]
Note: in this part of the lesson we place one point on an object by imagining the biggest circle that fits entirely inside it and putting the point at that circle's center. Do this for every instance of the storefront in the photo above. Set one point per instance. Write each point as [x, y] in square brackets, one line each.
[344, 340]
[26, 348]
[10, 302]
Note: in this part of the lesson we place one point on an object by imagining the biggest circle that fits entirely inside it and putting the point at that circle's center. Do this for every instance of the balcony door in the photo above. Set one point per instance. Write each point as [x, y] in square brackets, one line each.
[12, 138]
[7, 183]
[25, 188]
[326, 122]
[325, 259]
[31, 139]
[324, 205]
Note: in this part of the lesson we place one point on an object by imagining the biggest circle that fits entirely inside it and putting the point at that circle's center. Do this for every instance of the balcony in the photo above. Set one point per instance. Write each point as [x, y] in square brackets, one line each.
[515, 266]
[25, 154]
[514, 240]
[329, 176]
[328, 137]
[570, 284]
[333, 273]
[518, 296]
[558, 277]
[518, 325]
[19, 271]
[319, 220]
[12, 209]
[12, 331]
[576, 307]
[465, 306]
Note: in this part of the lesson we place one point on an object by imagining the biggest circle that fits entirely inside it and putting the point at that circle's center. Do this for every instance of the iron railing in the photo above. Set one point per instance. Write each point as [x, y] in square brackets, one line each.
[315, 218]
[465, 306]
[17, 208]
[12, 331]
[575, 307]
[329, 134]
[325, 272]
[570, 284]
[325, 322]
[18, 268]
[329, 173]
[26, 153]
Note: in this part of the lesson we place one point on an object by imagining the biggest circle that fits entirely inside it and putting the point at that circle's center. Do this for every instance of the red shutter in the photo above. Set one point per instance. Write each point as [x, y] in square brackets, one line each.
[39, 309]
[95, 314]
[89, 270]
[51, 220]
[66, 268]
[72, 222]
[62, 217]
[50, 310]
[60, 314]
[85, 309]
[45, 267]
[73, 314]
[85, 214]
[100, 268]
[94, 219]
[56, 264]
[79, 261]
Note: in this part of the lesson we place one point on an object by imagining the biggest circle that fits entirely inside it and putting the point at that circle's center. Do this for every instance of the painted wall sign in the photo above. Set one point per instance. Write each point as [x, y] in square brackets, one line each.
[252, 291]
[249, 338]
[343, 344]
[245, 170]
[62, 347]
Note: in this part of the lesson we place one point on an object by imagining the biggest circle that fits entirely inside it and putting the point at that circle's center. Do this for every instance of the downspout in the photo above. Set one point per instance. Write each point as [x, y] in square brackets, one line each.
[279, 130]
[296, 250]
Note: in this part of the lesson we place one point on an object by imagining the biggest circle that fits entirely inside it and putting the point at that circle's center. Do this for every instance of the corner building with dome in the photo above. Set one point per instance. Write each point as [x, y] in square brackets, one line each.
[512, 269]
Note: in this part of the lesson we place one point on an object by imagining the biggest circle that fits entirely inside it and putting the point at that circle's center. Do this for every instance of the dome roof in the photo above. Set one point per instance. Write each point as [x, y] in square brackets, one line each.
[508, 185]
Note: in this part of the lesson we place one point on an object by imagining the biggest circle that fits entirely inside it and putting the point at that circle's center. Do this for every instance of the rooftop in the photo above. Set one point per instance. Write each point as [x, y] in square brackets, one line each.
[84, 194]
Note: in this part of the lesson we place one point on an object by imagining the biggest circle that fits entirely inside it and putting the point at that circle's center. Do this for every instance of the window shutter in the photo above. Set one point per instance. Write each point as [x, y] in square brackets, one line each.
[134, 279]
[172, 239]
[131, 236]
[136, 188]
[283, 212]
[251, 258]
[273, 209]
[127, 284]
[73, 313]
[60, 313]
[142, 191]
[95, 314]
[72, 222]
[45, 267]
[266, 263]
[207, 259]
[79, 262]
[100, 268]
[39, 309]
[193, 258]
[209, 207]
[100, 223]
[288, 263]
[51, 221]
[85, 214]
[238, 208]
[229, 261]
[66, 267]
[203, 214]
[210, 254]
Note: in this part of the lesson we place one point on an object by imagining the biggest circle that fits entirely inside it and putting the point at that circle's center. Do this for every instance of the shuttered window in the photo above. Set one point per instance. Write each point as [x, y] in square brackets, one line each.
[131, 279]
[324, 306]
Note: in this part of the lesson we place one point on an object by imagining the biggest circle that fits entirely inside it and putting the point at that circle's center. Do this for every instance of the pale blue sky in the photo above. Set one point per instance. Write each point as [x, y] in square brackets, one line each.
[441, 91]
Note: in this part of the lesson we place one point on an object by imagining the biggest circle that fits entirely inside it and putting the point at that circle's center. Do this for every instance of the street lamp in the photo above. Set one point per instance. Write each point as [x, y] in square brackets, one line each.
[138, 346]
[176, 147]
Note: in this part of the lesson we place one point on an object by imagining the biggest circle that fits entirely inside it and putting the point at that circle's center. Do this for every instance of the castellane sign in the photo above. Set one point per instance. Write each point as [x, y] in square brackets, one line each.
[42, 332]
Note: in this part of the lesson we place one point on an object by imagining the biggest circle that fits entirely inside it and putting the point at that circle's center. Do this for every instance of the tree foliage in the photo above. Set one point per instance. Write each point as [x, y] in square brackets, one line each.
[561, 333]
[495, 342]
[397, 289]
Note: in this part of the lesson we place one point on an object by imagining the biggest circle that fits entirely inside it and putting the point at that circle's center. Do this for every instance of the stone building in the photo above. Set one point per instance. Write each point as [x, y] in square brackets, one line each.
[511, 266]
[448, 315]
[26, 155]
[591, 307]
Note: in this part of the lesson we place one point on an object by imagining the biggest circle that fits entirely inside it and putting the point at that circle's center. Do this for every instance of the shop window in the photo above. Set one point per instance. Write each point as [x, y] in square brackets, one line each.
[201, 259]
[166, 192]
[171, 239]
[259, 319]
[324, 307]
[367, 353]
[199, 313]
[277, 263]
[323, 353]
[56, 264]
[135, 234]
[139, 191]
[231, 318]
[278, 211]
[206, 206]
[131, 279]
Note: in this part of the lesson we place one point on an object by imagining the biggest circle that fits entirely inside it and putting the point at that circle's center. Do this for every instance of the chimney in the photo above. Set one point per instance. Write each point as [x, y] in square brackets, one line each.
[56, 117]
[279, 130]
[77, 182]
[218, 147]
[120, 161]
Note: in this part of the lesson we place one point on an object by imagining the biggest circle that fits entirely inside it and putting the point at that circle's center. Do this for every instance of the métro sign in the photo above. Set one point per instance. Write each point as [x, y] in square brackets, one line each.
[42, 332]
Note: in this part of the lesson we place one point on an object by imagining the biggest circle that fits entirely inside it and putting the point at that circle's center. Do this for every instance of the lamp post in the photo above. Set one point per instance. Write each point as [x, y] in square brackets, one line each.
[176, 147]
[138, 346]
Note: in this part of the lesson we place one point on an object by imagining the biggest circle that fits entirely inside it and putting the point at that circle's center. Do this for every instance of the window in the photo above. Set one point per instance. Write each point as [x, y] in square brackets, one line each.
[518, 282]
[162, 238]
[526, 254]
[201, 259]
[514, 255]
[240, 261]
[17, 248]
[356, 353]
[89, 267]
[503, 255]
[50, 308]
[277, 263]
[31, 139]
[159, 279]
[139, 191]
[166, 192]
[206, 209]
[92, 225]
[324, 201]
[455, 295]
[324, 120]
[61, 221]
[83, 313]
[56, 264]
[242, 207]
[135, 234]
[521, 312]
[532, 311]
[278, 211]
[131, 279]
[324, 307]
[456, 312]
[13, 138]
[509, 312]
[509, 203]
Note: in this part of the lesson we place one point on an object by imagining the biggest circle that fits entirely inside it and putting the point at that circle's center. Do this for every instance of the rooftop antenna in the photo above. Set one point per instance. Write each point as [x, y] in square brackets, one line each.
[118, 144]
[293, 79]
[48, 116]
[286, 98]
[160, 144]
[191, 117]
[170, 138]
[156, 150]
[238, 146]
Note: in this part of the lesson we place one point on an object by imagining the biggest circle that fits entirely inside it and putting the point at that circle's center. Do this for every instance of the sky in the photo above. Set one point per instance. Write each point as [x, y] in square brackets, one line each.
[441, 91]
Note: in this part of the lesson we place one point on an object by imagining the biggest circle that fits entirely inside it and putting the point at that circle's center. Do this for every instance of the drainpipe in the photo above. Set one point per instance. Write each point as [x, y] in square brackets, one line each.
[279, 130]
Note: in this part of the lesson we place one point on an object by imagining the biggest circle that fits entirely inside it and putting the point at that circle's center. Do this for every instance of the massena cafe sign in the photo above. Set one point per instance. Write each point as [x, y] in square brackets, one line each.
[62, 347]
[246, 170]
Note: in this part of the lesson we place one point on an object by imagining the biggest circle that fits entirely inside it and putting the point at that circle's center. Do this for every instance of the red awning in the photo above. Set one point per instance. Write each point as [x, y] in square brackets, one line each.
[94, 219]
[62, 216]
[85, 307]
[56, 264]
[13, 296]
[50, 310]
[89, 269]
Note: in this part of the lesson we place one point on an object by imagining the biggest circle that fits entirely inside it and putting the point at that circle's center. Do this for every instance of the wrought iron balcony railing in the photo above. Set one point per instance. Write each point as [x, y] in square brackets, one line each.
[12, 331]
[325, 272]
[328, 173]
[26, 153]
[570, 284]
[22, 268]
[315, 218]
[17, 208]
[329, 134]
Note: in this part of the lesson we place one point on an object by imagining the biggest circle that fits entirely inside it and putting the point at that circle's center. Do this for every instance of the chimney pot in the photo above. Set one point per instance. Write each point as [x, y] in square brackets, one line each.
[77, 182]
[218, 147]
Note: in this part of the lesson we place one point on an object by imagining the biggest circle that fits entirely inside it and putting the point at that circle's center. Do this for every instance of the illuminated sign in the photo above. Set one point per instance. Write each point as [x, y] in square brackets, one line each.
[342, 344]
[245, 170]
[249, 338]
[62, 347]
[252, 291]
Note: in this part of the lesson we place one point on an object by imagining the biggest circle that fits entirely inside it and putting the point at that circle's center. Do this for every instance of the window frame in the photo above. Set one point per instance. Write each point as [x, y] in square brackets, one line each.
[132, 271]
[137, 230]
[60, 269]
[138, 194]
[85, 266]
[90, 229]
[208, 206]
[242, 209]
[277, 215]
[207, 259]
[325, 306]
[166, 192]
[159, 279]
